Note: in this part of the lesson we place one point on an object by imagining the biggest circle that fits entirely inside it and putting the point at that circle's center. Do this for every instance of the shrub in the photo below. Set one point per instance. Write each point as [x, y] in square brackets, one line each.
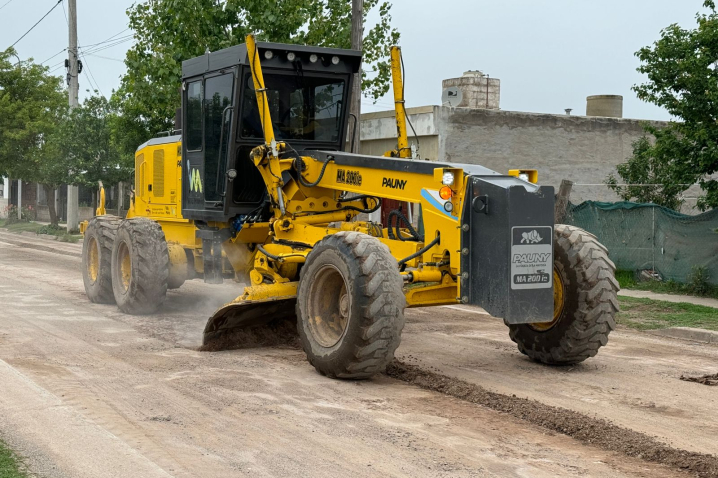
[698, 281]
[51, 230]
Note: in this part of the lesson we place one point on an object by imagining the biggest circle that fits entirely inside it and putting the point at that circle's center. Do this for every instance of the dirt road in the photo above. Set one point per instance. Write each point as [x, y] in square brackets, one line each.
[86, 391]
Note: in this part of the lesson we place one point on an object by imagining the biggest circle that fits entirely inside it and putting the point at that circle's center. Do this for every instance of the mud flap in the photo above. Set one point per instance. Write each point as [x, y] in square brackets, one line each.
[507, 248]
[256, 307]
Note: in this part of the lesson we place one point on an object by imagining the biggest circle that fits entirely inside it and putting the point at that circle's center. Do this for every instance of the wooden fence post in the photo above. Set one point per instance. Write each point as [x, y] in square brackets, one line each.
[564, 192]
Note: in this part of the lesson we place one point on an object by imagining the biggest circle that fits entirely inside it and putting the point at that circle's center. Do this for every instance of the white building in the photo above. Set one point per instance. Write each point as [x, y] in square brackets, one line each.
[4, 193]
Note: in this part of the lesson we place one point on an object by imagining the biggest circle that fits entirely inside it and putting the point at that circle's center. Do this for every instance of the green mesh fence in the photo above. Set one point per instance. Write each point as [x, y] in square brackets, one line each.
[650, 237]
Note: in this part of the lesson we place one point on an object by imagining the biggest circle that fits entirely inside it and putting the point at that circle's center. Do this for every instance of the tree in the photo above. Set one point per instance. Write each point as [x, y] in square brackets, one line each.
[682, 71]
[81, 150]
[31, 104]
[42, 140]
[170, 31]
[51, 167]
[87, 136]
[653, 180]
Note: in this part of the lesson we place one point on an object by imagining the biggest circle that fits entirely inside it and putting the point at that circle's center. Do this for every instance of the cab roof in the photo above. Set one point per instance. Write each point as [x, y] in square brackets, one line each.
[349, 60]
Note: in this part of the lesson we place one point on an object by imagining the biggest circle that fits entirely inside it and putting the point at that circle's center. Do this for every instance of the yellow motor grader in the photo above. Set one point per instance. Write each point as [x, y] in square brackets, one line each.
[258, 188]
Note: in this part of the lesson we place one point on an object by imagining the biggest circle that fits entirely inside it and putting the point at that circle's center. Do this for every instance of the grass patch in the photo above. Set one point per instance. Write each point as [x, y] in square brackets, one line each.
[72, 238]
[59, 232]
[627, 280]
[649, 314]
[23, 227]
[10, 464]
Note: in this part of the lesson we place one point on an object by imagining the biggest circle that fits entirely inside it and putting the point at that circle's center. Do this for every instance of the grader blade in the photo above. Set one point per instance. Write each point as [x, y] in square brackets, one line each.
[256, 307]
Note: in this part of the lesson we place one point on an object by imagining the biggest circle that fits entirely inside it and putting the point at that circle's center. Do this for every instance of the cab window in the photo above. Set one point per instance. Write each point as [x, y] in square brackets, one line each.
[194, 116]
[302, 107]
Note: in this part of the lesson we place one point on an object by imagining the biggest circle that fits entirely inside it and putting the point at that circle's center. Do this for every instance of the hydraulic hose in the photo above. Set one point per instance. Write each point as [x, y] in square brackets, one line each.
[394, 228]
[275, 257]
[421, 251]
[321, 174]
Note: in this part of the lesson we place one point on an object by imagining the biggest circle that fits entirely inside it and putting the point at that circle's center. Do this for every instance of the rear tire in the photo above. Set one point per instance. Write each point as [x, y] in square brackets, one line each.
[140, 266]
[589, 307]
[350, 306]
[97, 258]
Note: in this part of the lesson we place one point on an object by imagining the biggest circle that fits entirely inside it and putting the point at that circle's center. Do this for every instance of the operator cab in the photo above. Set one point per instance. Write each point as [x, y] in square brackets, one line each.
[309, 91]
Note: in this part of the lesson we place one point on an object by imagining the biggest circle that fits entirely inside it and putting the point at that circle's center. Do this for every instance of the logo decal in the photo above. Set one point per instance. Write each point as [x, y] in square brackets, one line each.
[352, 178]
[393, 183]
[530, 237]
[531, 257]
[195, 181]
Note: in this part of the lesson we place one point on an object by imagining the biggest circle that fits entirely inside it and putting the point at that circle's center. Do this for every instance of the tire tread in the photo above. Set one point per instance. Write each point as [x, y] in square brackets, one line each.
[598, 304]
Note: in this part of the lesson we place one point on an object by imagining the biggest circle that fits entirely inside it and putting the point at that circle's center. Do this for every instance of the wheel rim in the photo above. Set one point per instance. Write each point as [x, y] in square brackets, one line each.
[93, 262]
[123, 259]
[559, 300]
[329, 306]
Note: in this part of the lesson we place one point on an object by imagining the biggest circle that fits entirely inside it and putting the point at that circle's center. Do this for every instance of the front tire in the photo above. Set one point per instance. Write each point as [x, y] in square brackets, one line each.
[140, 266]
[584, 307]
[96, 258]
[350, 306]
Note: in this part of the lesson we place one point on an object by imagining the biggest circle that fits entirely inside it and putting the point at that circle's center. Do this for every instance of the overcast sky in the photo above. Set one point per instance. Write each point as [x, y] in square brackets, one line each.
[548, 54]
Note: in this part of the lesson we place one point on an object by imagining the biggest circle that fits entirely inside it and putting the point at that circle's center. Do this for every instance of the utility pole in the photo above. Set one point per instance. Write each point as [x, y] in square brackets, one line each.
[73, 88]
[357, 36]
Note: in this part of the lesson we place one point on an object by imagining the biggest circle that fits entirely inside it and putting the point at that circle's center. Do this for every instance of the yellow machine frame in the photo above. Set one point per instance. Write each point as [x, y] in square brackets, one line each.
[306, 215]
[291, 225]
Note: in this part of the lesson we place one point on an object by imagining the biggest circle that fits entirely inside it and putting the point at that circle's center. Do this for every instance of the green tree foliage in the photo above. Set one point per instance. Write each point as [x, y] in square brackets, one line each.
[170, 31]
[31, 101]
[85, 136]
[32, 104]
[81, 150]
[682, 71]
[43, 141]
[650, 180]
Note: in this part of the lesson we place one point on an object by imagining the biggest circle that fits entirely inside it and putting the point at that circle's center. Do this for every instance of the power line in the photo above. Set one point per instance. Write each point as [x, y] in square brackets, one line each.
[91, 52]
[5, 4]
[110, 45]
[96, 86]
[104, 57]
[65, 13]
[104, 41]
[36, 24]
[56, 66]
[87, 65]
[53, 56]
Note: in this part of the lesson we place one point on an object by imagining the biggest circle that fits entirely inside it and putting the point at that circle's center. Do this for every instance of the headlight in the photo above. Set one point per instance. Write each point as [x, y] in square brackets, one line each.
[291, 56]
[313, 58]
[524, 177]
[268, 54]
[448, 178]
[335, 60]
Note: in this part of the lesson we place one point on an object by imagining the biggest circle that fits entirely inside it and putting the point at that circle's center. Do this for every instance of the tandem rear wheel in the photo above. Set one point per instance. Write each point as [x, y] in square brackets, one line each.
[140, 266]
[585, 302]
[127, 262]
[350, 306]
[96, 258]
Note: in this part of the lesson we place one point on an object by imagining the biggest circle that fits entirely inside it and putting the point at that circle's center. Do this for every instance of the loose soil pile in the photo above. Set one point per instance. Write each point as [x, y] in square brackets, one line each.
[710, 380]
[592, 431]
[277, 333]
